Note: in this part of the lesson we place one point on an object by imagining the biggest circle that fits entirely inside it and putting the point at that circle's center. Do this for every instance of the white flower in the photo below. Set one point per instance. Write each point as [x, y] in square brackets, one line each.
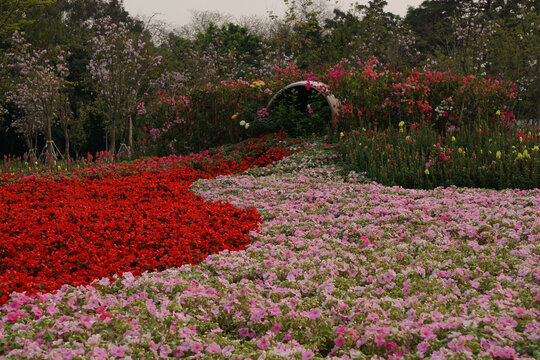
[247, 125]
[242, 123]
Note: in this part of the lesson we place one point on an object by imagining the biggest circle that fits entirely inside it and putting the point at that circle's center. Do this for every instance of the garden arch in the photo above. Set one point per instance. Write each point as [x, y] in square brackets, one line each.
[303, 90]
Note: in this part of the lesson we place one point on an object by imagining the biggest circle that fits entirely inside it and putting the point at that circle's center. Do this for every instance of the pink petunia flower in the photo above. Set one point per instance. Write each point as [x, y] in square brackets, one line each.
[263, 343]
[313, 313]
[339, 341]
[422, 347]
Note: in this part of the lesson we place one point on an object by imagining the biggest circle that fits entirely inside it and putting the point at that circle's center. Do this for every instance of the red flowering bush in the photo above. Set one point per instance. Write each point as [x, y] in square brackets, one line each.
[131, 217]
[431, 128]
[180, 121]
[379, 97]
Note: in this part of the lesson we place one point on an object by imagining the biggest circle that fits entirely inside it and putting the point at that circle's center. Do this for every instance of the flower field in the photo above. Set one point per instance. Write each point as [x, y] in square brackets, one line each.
[339, 267]
[117, 218]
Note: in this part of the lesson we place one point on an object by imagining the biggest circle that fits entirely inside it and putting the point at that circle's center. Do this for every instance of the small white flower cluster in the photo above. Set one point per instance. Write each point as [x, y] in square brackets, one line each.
[244, 124]
[444, 107]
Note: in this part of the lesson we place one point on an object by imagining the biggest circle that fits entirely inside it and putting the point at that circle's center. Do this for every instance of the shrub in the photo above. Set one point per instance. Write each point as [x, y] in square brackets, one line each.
[193, 119]
[201, 117]
[429, 129]
[379, 98]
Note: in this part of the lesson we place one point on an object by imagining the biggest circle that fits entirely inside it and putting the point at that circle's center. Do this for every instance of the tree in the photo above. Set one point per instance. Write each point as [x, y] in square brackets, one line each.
[432, 24]
[256, 25]
[120, 66]
[234, 43]
[82, 14]
[200, 21]
[38, 91]
[342, 31]
[68, 24]
[65, 117]
[13, 13]
[306, 10]
[497, 38]
[298, 35]
[366, 31]
[514, 52]
[454, 34]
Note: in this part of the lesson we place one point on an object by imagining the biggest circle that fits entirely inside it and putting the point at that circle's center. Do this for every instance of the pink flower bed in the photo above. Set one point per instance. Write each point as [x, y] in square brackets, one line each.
[339, 269]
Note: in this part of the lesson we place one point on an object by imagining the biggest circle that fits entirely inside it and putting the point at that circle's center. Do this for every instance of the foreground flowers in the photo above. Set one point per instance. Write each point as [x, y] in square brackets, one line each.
[339, 269]
[119, 218]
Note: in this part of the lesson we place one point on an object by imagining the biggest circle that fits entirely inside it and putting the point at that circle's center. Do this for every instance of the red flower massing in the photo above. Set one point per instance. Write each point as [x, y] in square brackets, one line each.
[138, 217]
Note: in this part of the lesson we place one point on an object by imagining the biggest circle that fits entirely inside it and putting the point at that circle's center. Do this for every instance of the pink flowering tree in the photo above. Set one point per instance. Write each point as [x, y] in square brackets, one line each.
[472, 33]
[38, 90]
[120, 66]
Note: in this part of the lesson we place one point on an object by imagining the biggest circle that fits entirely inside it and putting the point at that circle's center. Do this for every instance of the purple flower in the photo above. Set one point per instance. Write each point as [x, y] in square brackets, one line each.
[427, 333]
[262, 113]
[196, 347]
[277, 327]
[506, 352]
[244, 332]
[117, 350]
[165, 351]
[227, 350]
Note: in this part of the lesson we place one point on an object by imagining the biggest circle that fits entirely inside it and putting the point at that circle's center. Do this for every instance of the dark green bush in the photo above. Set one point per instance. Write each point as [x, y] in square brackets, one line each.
[299, 113]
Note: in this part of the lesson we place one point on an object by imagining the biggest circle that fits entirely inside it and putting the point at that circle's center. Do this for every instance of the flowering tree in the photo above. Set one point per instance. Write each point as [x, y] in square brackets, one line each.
[120, 65]
[38, 91]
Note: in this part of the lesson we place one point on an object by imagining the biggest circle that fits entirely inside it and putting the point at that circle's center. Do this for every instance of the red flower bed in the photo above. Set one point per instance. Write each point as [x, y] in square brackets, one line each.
[107, 221]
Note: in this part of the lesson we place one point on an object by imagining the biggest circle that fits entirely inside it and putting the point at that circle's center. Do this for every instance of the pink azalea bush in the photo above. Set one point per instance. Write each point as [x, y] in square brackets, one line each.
[341, 268]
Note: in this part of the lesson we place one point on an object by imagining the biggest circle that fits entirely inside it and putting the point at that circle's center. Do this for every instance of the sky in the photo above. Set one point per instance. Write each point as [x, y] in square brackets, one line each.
[178, 12]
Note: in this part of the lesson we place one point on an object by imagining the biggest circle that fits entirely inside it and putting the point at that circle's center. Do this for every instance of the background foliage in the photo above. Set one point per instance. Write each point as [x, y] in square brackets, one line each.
[486, 38]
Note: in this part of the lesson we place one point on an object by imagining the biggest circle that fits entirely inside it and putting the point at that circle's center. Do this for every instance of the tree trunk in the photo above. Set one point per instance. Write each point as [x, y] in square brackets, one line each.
[50, 148]
[66, 135]
[113, 137]
[130, 134]
[28, 141]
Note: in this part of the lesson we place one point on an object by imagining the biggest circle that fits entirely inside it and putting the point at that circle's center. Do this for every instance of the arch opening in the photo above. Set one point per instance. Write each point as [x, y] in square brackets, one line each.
[301, 109]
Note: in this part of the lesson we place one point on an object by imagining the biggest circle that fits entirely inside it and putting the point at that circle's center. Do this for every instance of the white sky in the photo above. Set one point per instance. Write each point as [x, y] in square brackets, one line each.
[177, 12]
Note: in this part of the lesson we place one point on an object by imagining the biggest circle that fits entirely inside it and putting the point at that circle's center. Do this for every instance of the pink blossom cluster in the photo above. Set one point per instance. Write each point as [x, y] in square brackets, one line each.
[119, 65]
[262, 113]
